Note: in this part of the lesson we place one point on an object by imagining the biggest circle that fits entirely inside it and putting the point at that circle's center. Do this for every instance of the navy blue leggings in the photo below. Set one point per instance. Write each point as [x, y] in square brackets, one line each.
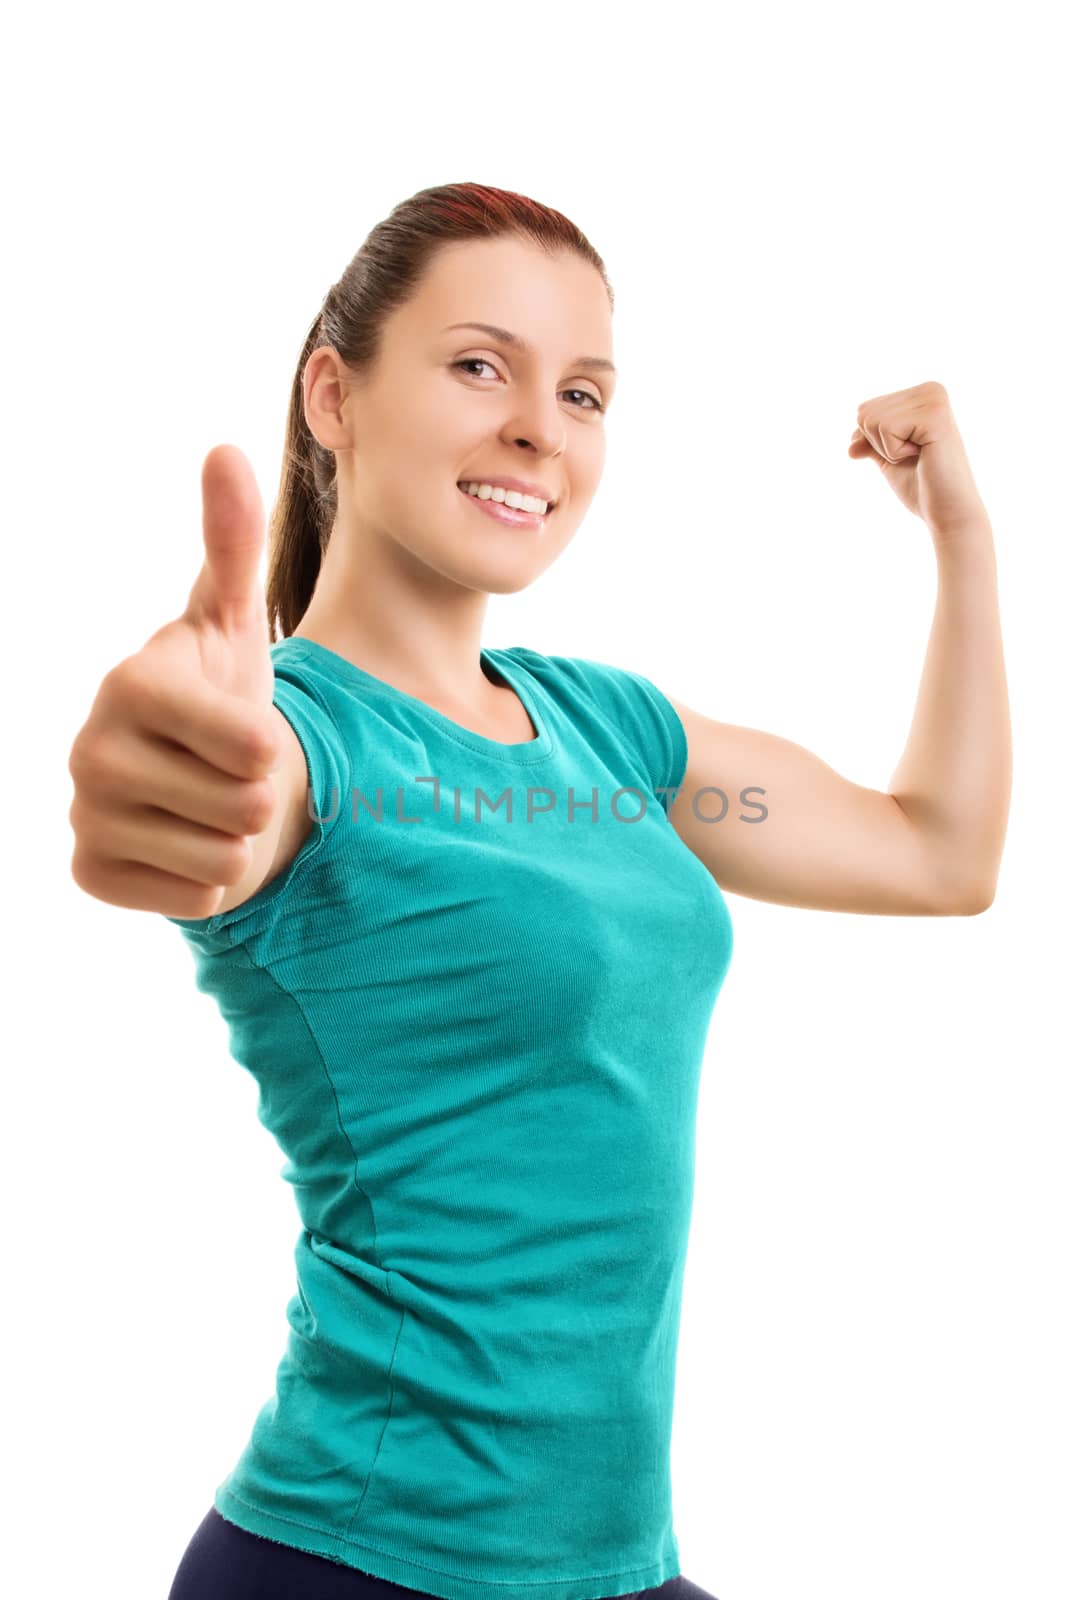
[224, 1562]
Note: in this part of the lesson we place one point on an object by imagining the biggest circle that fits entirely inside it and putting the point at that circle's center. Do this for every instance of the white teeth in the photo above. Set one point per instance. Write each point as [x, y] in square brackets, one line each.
[508, 497]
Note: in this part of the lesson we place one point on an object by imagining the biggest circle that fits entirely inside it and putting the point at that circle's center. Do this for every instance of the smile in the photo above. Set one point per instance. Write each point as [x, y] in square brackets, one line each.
[509, 515]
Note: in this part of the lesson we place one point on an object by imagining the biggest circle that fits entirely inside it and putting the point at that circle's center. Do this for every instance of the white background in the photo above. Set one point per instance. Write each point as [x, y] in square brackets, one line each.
[800, 209]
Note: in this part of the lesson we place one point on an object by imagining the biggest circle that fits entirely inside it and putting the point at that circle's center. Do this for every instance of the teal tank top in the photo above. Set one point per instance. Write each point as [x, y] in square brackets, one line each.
[476, 1006]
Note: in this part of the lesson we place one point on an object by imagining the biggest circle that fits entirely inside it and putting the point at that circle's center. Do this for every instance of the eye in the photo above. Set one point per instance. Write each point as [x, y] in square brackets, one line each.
[480, 361]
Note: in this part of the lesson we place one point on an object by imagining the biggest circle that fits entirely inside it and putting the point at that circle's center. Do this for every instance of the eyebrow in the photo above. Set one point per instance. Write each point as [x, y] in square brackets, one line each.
[594, 363]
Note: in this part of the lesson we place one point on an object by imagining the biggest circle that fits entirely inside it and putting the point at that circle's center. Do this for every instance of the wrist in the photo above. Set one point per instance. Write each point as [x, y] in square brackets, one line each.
[972, 536]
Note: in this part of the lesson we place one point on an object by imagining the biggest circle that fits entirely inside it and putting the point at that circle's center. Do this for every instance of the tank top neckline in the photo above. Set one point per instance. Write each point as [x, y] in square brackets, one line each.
[517, 677]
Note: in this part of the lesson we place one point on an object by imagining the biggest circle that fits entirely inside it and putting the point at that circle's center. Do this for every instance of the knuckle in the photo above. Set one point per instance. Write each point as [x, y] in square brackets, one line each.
[83, 763]
[133, 686]
[85, 870]
[93, 757]
[77, 814]
[261, 746]
[76, 761]
[201, 904]
[235, 860]
[257, 806]
[119, 681]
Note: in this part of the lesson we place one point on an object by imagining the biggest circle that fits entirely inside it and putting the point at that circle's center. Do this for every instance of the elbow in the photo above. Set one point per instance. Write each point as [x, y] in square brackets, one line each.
[983, 901]
[967, 903]
[961, 888]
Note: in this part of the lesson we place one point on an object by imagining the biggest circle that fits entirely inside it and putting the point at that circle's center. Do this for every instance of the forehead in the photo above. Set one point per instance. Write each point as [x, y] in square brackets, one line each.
[554, 302]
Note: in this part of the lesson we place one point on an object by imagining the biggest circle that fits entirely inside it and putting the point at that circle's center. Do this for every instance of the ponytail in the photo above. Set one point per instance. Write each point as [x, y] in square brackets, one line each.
[303, 514]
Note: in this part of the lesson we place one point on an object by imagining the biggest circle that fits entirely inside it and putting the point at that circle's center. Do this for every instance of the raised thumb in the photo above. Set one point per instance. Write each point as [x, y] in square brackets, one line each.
[228, 588]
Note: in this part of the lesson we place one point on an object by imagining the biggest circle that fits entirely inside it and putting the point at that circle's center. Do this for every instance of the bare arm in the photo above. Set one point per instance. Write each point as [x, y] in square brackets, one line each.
[928, 846]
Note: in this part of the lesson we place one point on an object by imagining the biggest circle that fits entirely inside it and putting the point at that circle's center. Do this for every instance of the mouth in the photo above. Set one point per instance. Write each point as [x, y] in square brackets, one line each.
[510, 516]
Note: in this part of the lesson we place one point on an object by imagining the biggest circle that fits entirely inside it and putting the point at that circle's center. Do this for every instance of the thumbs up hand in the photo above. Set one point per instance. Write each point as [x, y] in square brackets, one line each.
[173, 768]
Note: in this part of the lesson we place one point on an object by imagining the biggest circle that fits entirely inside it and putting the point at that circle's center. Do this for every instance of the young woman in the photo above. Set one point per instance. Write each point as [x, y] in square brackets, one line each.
[461, 909]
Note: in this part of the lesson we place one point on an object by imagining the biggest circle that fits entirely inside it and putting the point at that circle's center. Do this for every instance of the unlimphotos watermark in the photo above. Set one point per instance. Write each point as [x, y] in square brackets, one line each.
[375, 809]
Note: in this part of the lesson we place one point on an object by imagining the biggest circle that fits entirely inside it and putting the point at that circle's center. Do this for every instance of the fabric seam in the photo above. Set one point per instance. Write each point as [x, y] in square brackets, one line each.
[444, 1572]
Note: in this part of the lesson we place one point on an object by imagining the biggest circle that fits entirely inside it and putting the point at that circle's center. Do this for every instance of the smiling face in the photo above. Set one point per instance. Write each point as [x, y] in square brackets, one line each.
[447, 405]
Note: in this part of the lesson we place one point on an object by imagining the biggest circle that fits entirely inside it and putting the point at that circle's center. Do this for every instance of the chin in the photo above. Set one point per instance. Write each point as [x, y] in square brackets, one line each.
[496, 582]
[503, 579]
[471, 564]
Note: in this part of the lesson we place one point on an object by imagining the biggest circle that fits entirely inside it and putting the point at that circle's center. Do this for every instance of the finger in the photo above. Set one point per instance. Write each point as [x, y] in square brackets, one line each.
[223, 730]
[136, 770]
[138, 887]
[228, 588]
[173, 845]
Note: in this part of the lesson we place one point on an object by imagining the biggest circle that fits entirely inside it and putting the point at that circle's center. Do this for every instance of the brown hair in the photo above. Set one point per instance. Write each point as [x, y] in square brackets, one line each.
[384, 273]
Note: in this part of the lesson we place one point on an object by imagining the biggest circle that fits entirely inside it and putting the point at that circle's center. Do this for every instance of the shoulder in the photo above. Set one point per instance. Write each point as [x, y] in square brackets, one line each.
[618, 698]
[622, 688]
[307, 670]
[580, 672]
